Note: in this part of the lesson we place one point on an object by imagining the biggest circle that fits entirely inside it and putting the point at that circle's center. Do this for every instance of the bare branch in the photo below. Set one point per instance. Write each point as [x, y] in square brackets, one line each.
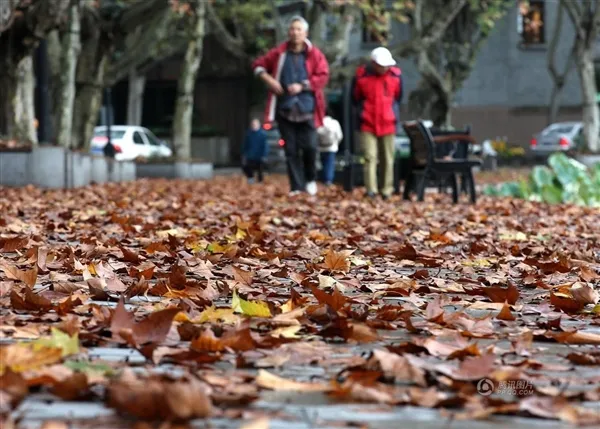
[574, 12]
[148, 44]
[279, 27]
[554, 43]
[419, 43]
[426, 37]
[140, 13]
[430, 72]
[418, 18]
[595, 23]
[337, 50]
[234, 45]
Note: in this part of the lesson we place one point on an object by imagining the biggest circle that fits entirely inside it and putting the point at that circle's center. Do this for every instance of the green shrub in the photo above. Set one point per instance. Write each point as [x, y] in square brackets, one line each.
[564, 180]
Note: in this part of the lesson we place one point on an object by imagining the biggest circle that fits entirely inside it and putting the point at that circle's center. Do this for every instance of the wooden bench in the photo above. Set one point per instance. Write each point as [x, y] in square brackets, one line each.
[429, 164]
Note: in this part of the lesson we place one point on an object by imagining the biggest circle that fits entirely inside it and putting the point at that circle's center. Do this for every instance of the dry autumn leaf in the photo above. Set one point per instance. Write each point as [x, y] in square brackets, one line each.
[218, 279]
[337, 261]
[152, 329]
[267, 380]
[155, 398]
[28, 277]
[249, 308]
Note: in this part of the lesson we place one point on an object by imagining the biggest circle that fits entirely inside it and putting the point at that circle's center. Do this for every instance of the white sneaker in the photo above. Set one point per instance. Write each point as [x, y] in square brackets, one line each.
[311, 188]
[294, 193]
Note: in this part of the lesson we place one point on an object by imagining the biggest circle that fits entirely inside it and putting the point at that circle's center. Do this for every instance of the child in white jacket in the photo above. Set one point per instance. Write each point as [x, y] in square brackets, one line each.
[330, 135]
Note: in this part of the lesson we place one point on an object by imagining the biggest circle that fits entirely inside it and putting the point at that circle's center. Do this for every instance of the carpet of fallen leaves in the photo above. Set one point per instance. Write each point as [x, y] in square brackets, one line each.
[227, 285]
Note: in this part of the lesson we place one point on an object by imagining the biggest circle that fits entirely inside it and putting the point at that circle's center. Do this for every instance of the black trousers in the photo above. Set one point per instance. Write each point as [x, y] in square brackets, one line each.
[300, 151]
[251, 167]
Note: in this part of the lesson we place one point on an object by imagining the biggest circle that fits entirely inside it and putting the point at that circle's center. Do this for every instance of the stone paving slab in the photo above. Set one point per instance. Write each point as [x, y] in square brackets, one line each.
[304, 411]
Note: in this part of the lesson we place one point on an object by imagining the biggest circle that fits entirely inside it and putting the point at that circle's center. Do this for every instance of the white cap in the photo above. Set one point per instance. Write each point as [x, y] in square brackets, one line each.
[383, 57]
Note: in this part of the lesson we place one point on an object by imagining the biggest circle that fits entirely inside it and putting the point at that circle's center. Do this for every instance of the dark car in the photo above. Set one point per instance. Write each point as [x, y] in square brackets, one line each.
[561, 136]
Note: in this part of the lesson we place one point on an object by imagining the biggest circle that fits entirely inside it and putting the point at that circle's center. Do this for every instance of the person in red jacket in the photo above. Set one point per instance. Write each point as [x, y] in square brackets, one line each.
[296, 72]
[377, 88]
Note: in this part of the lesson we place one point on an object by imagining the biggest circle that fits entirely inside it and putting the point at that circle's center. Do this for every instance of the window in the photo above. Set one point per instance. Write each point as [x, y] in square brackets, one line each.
[531, 23]
[114, 135]
[375, 23]
[137, 138]
[154, 141]
[558, 129]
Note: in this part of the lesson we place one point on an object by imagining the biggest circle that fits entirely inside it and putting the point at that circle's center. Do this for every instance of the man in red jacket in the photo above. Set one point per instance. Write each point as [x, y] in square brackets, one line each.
[296, 72]
[377, 88]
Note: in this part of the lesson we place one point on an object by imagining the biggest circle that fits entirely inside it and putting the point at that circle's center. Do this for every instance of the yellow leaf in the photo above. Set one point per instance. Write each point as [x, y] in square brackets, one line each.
[513, 235]
[354, 260]
[249, 308]
[212, 314]
[267, 380]
[176, 232]
[197, 246]
[287, 306]
[482, 262]
[326, 281]
[215, 247]
[596, 309]
[287, 332]
[86, 274]
[92, 269]
[21, 357]
[69, 345]
[181, 317]
[240, 234]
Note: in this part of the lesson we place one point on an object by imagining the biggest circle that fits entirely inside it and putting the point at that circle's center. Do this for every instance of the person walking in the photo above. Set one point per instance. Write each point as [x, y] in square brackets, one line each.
[377, 88]
[330, 136]
[296, 72]
[255, 151]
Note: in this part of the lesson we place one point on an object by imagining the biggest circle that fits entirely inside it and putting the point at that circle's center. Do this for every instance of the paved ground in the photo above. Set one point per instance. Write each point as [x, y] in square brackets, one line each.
[503, 237]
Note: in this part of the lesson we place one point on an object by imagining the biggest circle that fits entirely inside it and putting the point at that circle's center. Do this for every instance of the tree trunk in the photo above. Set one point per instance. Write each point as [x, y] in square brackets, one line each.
[135, 98]
[555, 101]
[22, 103]
[184, 104]
[591, 114]
[558, 78]
[586, 21]
[71, 46]
[54, 62]
[90, 81]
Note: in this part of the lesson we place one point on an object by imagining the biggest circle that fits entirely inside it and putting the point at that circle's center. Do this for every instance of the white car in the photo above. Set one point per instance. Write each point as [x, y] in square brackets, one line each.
[130, 142]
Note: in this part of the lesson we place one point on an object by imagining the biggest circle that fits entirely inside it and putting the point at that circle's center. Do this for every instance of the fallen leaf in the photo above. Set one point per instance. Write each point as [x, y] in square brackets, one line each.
[213, 315]
[587, 274]
[14, 389]
[155, 398]
[28, 277]
[267, 380]
[31, 301]
[71, 388]
[152, 329]
[336, 300]
[9, 245]
[260, 423]
[249, 308]
[505, 313]
[337, 261]
[241, 276]
[509, 294]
